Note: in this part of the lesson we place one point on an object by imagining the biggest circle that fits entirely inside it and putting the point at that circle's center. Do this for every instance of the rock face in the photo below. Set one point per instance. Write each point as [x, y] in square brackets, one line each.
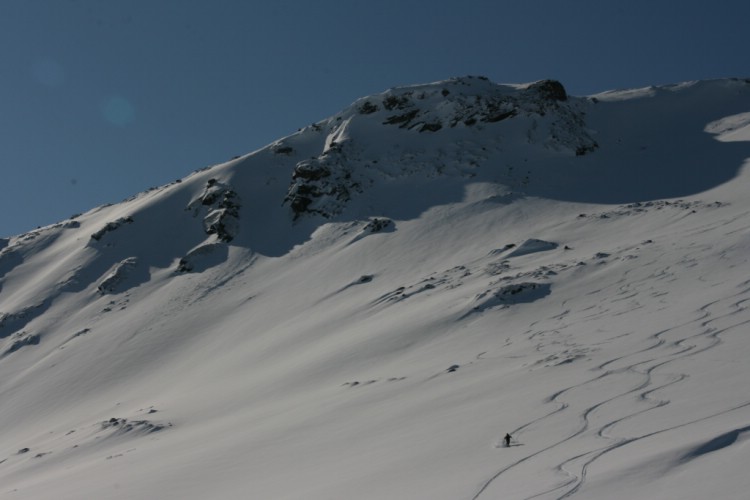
[118, 275]
[221, 206]
[327, 177]
[549, 89]
[111, 226]
[432, 109]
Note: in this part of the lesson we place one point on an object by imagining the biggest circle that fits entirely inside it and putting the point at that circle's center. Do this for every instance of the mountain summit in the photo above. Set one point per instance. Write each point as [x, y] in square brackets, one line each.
[363, 309]
[379, 137]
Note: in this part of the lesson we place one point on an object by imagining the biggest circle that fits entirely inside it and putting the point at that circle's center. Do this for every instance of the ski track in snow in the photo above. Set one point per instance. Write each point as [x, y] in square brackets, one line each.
[576, 467]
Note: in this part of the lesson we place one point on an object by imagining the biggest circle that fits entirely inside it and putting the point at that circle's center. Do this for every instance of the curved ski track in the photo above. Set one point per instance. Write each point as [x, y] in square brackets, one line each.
[576, 467]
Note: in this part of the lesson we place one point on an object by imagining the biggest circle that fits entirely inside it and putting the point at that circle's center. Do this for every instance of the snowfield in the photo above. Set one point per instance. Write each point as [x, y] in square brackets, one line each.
[362, 310]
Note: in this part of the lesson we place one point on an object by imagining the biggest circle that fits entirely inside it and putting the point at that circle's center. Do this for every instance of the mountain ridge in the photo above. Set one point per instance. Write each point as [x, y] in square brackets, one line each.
[219, 337]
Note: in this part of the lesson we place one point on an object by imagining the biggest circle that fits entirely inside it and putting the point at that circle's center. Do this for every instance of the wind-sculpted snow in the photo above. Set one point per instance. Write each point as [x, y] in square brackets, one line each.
[532, 245]
[365, 308]
[203, 257]
[716, 444]
[19, 340]
[13, 321]
[511, 294]
[116, 280]
[64, 445]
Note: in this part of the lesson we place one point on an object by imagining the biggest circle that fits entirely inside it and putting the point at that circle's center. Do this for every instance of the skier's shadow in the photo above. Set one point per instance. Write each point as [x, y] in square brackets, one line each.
[511, 445]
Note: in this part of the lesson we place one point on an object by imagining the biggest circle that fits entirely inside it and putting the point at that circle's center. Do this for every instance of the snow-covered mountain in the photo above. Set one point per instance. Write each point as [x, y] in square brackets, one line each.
[362, 310]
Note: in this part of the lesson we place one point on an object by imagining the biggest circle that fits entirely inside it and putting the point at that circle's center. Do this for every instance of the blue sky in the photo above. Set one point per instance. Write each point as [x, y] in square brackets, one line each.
[100, 100]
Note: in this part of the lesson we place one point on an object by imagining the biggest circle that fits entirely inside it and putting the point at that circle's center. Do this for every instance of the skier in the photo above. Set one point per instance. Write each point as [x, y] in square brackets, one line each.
[507, 440]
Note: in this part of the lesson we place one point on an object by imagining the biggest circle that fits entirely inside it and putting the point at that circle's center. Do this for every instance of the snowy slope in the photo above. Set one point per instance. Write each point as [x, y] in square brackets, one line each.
[364, 308]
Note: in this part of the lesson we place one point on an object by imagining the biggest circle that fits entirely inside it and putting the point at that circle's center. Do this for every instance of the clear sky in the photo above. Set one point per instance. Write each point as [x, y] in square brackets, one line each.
[100, 100]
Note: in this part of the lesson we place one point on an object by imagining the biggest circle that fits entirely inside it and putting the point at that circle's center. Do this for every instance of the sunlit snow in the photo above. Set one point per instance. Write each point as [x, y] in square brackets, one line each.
[362, 310]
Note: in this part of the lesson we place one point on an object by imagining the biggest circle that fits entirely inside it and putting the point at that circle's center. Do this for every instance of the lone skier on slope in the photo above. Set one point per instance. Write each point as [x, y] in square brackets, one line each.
[507, 439]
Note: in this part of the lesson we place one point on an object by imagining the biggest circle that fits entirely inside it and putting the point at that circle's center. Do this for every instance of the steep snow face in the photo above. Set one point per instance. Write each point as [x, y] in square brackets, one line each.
[364, 308]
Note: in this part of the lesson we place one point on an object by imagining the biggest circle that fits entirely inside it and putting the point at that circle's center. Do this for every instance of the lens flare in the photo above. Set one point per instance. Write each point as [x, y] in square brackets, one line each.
[118, 111]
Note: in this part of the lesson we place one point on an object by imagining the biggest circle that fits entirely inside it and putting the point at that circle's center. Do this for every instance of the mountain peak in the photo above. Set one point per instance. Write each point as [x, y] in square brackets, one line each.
[416, 121]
